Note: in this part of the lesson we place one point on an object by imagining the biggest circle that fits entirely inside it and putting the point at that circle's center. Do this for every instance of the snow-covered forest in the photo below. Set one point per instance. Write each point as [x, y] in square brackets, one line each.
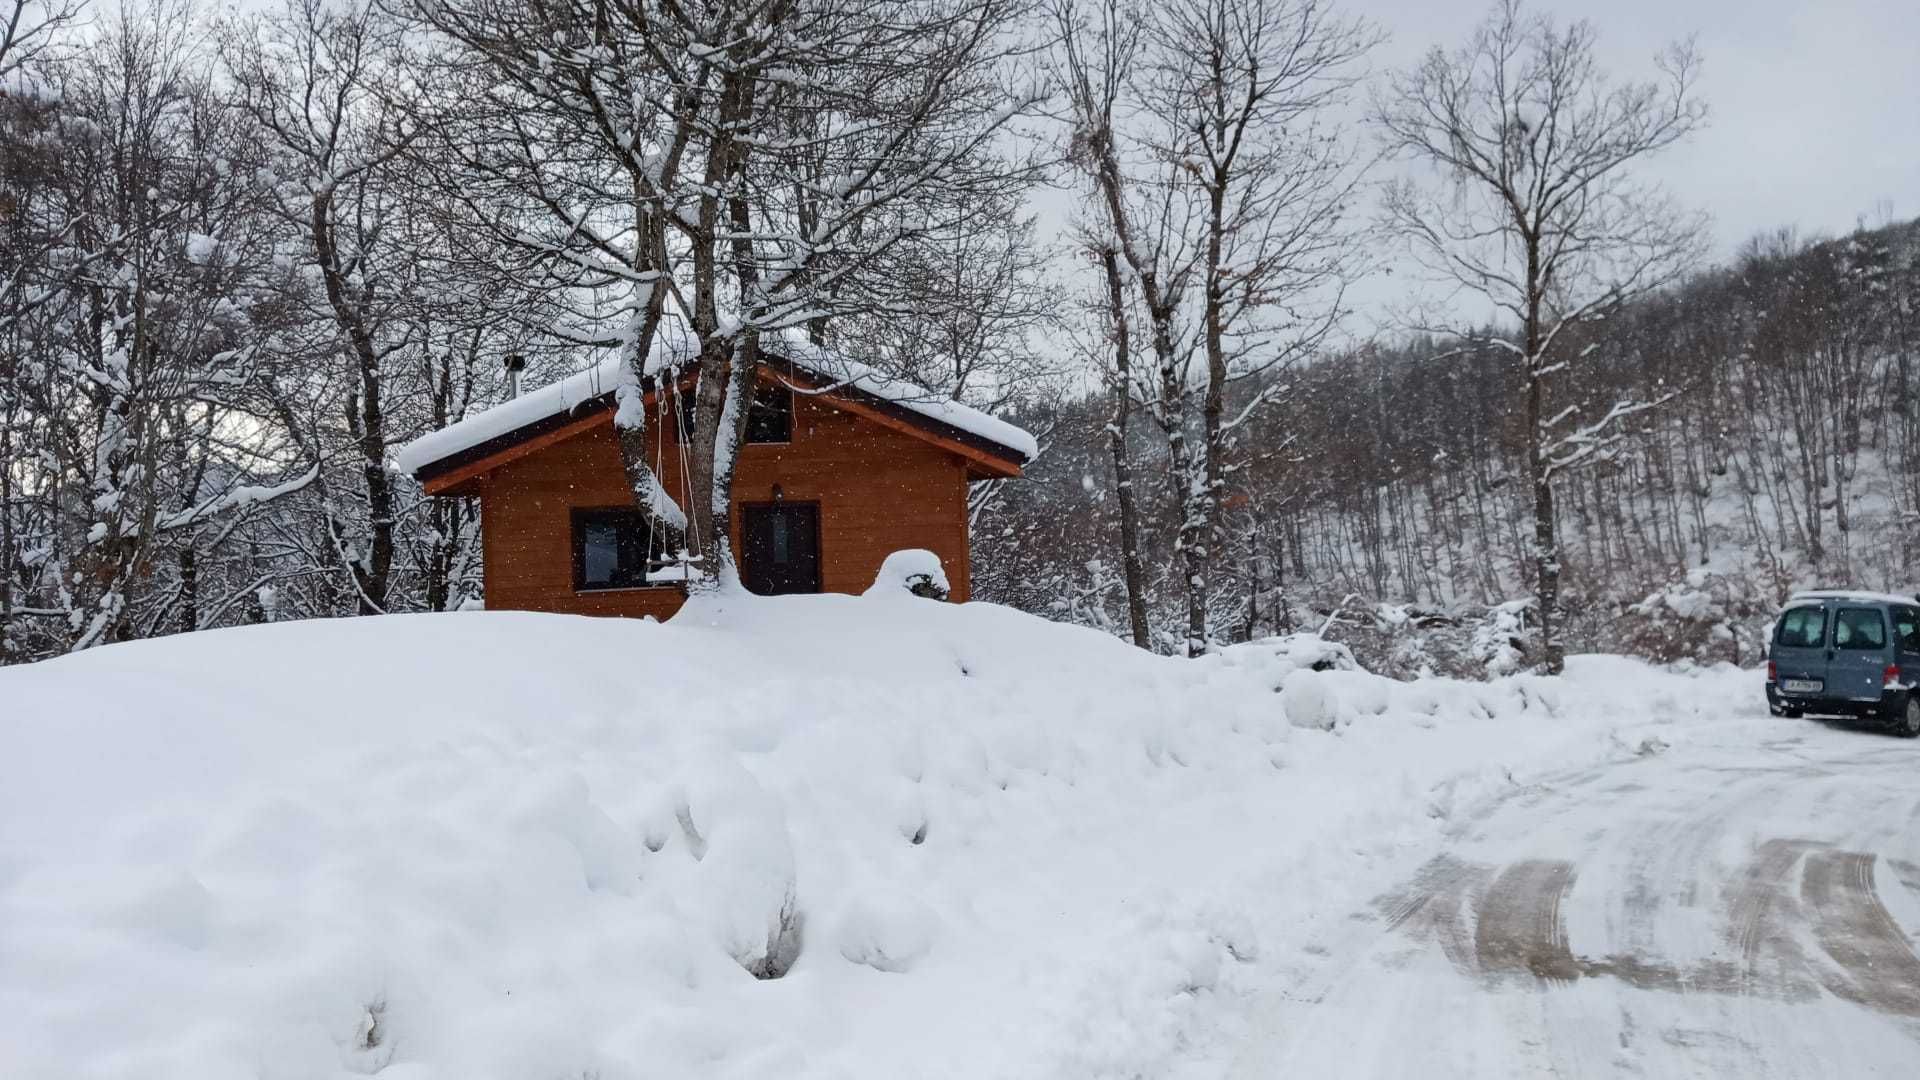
[1386, 480]
[244, 257]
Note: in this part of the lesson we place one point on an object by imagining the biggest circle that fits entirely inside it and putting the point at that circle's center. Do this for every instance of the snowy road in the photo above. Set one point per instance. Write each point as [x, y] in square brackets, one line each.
[1745, 905]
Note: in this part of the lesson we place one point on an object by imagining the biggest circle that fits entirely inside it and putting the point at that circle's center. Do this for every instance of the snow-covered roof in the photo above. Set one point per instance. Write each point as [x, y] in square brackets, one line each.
[594, 387]
[1854, 594]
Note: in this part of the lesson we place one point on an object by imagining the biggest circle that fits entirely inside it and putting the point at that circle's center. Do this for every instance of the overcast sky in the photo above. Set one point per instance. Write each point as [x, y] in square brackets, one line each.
[1815, 104]
[1814, 118]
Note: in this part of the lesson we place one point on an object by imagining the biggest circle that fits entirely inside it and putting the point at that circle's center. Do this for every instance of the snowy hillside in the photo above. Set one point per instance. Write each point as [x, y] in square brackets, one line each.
[963, 841]
[1785, 456]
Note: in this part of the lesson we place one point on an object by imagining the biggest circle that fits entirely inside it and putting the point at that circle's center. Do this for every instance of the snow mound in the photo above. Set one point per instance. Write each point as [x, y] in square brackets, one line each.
[1284, 655]
[801, 836]
[914, 571]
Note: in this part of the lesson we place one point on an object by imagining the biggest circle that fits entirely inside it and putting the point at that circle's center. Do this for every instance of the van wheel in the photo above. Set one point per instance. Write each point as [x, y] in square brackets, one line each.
[1911, 729]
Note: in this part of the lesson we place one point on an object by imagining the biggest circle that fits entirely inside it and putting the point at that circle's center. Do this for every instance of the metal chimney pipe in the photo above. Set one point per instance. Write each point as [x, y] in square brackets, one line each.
[515, 365]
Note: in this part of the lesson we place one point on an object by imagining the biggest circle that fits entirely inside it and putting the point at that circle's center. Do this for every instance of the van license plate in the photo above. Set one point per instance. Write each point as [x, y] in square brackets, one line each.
[1801, 686]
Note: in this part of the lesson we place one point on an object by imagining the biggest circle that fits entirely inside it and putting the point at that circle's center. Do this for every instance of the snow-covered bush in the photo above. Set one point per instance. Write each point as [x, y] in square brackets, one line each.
[1705, 617]
[914, 570]
[1283, 655]
[1406, 641]
[1502, 639]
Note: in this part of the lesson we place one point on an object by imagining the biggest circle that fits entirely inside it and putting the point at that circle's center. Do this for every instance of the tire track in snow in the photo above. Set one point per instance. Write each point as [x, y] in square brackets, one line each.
[1878, 967]
[1435, 906]
[1761, 909]
[1735, 881]
[1520, 927]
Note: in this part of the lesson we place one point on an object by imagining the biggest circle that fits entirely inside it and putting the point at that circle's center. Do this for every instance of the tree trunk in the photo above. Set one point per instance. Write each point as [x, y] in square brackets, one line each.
[630, 413]
[189, 588]
[366, 416]
[1123, 456]
[6, 531]
[1206, 508]
[1190, 482]
[1546, 548]
[732, 400]
[1171, 410]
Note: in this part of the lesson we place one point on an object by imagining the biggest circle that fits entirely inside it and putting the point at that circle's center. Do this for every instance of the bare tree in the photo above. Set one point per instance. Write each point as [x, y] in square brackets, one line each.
[31, 32]
[317, 80]
[28, 235]
[727, 171]
[1117, 365]
[140, 353]
[1531, 201]
[984, 299]
[1201, 126]
[1244, 89]
[1144, 214]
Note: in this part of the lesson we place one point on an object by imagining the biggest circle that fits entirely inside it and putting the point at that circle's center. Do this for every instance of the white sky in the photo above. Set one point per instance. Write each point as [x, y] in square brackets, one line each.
[1814, 106]
[1815, 103]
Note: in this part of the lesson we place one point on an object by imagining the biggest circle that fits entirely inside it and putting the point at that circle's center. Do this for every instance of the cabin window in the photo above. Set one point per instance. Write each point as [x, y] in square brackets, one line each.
[769, 416]
[770, 419]
[616, 549]
[686, 399]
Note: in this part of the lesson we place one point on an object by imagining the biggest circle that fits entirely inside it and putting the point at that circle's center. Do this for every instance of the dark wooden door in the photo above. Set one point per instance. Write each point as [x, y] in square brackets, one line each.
[780, 548]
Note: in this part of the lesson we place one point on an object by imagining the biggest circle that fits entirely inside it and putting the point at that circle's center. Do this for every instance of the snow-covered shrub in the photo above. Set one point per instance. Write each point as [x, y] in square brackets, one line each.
[1503, 638]
[1283, 655]
[1413, 641]
[914, 570]
[1704, 617]
[1407, 641]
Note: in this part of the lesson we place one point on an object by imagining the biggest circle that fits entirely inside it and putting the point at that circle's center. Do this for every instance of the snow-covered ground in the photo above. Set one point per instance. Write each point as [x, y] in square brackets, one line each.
[1743, 905]
[970, 842]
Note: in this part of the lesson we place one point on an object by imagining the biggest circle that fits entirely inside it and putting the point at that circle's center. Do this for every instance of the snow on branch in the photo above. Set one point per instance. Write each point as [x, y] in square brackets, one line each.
[1592, 442]
[246, 495]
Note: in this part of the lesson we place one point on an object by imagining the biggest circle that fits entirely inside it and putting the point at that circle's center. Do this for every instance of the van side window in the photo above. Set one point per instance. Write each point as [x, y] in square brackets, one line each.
[1802, 628]
[1859, 628]
[1906, 624]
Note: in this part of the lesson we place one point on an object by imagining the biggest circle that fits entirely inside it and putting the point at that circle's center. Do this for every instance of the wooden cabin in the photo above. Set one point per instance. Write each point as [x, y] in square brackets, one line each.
[842, 467]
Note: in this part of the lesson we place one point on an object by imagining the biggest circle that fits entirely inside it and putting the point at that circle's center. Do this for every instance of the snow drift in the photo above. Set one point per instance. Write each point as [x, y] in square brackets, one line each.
[807, 836]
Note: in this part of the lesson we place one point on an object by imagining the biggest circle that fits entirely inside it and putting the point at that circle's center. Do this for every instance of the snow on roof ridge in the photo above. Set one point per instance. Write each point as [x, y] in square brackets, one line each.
[844, 370]
[582, 387]
[531, 407]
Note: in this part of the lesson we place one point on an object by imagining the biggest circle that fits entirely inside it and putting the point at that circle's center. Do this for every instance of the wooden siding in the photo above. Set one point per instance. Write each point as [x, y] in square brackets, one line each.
[879, 490]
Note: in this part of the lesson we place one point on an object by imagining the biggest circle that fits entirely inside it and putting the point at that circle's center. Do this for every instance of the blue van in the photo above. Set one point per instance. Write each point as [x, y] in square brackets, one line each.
[1852, 654]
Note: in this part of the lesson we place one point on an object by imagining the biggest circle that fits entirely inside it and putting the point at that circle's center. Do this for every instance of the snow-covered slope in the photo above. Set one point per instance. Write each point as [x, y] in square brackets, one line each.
[971, 842]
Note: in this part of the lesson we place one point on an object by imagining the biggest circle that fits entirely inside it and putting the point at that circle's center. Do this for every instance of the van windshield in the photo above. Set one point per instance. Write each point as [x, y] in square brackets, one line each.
[1802, 628]
[1859, 628]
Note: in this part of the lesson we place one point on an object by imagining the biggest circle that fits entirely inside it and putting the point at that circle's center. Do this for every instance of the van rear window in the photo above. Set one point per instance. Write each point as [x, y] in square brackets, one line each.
[1859, 628]
[1802, 628]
